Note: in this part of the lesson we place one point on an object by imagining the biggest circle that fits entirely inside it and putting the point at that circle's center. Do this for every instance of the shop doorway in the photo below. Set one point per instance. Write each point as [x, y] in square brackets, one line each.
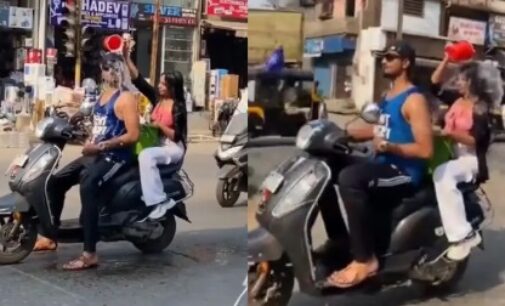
[226, 51]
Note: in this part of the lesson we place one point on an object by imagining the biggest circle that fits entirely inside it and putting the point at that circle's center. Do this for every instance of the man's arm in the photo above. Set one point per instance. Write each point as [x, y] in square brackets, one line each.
[126, 109]
[416, 111]
[361, 132]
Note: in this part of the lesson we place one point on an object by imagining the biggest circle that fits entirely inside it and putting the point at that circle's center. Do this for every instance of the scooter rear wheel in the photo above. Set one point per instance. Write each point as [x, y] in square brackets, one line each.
[18, 235]
[447, 284]
[160, 244]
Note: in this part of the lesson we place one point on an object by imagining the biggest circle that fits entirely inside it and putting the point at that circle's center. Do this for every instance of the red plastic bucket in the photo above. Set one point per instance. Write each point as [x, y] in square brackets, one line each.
[460, 51]
[113, 43]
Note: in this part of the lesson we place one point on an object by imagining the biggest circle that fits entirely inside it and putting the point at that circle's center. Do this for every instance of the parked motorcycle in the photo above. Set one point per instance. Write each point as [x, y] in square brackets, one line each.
[231, 158]
[410, 238]
[26, 209]
[224, 116]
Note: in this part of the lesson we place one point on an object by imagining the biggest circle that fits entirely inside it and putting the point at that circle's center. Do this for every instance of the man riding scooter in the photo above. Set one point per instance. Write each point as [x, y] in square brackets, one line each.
[115, 129]
[403, 141]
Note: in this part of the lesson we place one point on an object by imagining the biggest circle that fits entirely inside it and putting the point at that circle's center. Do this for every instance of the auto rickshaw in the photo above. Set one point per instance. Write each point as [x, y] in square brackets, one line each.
[281, 102]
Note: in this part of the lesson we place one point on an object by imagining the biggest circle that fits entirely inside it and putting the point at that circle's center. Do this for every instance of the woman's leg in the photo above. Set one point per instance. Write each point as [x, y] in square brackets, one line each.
[449, 197]
[149, 159]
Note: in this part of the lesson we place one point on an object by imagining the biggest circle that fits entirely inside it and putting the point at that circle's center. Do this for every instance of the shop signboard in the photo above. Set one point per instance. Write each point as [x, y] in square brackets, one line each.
[175, 15]
[473, 31]
[233, 9]
[497, 30]
[105, 14]
[313, 47]
[20, 18]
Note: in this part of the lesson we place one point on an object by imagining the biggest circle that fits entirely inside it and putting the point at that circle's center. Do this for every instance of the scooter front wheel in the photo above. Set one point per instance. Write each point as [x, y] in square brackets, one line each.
[270, 283]
[227, 192]
[18, 234]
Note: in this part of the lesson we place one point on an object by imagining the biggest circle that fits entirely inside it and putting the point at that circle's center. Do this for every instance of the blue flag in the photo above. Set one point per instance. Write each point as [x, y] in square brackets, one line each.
[276, 61]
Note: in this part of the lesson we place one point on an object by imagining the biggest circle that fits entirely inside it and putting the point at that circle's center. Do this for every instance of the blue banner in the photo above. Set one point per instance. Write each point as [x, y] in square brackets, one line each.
[105, 14]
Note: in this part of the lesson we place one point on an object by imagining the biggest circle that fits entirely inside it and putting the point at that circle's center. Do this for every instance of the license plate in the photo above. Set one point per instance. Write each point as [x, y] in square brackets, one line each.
[273, 182]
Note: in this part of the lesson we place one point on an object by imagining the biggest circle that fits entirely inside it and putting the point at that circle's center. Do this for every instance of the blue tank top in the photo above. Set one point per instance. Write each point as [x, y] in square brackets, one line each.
[106, 125]
[395, 129]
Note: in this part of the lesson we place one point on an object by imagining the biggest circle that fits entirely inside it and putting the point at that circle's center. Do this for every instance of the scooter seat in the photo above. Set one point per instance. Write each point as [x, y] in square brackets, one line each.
[133, 174]
[425, 196]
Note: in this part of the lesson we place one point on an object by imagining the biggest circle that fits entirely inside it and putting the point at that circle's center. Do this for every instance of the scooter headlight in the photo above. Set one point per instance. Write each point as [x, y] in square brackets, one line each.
[304, 136]
[42, 126]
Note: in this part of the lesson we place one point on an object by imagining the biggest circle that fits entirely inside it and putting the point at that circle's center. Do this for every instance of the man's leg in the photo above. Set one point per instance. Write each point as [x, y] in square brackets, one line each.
[94, 177]
[356, 184]
[57, 187]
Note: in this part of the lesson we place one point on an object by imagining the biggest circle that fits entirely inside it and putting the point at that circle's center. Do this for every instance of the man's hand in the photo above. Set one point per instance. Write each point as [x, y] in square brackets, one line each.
[91, 149]
[380, 145]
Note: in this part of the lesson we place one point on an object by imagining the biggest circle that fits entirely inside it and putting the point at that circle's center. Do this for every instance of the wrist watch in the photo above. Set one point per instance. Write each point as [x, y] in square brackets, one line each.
[383, 145]
[103, 146]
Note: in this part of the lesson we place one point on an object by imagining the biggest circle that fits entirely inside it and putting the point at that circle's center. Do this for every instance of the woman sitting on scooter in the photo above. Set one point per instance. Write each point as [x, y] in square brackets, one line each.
[170, 117]
[467, 125]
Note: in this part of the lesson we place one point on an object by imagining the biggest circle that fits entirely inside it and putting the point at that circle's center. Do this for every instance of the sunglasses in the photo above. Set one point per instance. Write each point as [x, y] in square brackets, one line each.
[391, 57]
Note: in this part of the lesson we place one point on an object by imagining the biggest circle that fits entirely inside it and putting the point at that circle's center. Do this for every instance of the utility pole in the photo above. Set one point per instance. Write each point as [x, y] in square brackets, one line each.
[399, 25]
[78, 58]
[154, 45]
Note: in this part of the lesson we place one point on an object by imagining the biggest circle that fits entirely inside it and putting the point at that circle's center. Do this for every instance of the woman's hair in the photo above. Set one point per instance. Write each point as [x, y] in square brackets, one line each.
[484, 82]
[175, 86]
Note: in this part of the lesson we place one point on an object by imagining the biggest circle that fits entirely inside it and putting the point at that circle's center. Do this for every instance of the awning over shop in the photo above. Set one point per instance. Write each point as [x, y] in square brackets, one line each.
[239, 27]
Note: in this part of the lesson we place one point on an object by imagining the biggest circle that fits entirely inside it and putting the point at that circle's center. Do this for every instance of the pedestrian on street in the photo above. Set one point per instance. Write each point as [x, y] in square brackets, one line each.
[170, 117]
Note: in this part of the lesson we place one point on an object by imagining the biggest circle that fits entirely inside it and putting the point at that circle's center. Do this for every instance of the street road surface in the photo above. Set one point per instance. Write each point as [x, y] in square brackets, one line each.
[204, 265]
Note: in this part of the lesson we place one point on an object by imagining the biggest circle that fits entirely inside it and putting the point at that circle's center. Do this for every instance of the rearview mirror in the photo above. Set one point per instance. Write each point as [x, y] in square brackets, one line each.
[371, 113]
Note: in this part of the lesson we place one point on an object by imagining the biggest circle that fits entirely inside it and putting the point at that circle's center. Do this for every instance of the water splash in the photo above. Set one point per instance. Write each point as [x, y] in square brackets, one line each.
[490, 74]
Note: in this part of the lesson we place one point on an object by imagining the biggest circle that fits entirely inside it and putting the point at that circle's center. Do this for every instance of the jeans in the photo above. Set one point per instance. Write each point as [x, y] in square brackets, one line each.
[449, 197]
[149, 159]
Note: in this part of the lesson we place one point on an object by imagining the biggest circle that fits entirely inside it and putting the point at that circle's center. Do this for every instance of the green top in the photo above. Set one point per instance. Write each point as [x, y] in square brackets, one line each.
[443, 152]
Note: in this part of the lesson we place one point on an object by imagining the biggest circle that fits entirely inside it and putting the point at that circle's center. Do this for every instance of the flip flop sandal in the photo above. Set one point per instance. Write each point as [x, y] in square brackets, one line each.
[45, 246]
[344, 285]
[80, 264]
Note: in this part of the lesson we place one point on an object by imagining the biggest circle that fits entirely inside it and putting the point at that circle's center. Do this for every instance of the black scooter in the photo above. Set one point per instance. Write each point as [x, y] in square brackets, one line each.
[231, 158]
[410, 239]
[26, 210]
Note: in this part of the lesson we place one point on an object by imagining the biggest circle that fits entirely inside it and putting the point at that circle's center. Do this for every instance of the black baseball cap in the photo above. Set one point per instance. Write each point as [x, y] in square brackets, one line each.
[402, 49]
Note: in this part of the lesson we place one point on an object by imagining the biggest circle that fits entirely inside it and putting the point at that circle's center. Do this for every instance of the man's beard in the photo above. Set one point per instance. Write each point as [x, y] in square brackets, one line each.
[391, 75]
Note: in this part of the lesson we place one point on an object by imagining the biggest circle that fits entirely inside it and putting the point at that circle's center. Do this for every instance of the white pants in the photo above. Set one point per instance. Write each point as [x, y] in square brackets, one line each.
[150, 179]
[450, 198]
